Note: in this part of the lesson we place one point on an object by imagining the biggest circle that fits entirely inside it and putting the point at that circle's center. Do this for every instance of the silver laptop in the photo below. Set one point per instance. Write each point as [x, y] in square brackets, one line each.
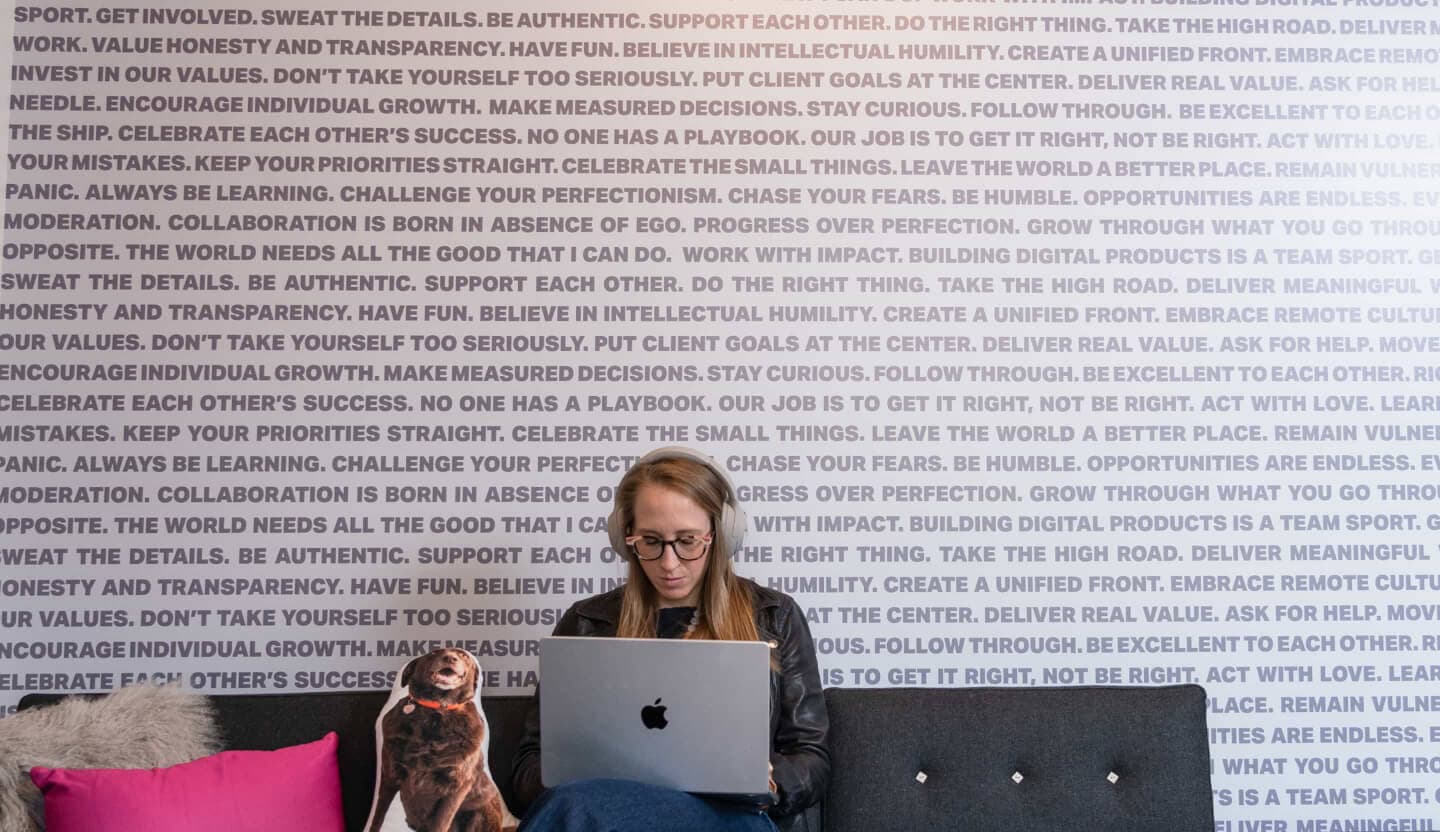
[691, 715]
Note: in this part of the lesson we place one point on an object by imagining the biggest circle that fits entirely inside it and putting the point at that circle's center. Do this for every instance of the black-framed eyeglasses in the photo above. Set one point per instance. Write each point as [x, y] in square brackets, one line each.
[686, 546]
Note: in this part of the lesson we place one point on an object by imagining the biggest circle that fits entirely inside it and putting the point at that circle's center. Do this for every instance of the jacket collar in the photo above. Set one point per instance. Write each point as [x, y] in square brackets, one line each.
[604, 607]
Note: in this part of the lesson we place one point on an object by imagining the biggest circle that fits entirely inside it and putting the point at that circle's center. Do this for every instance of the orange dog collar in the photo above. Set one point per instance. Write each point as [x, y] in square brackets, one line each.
[438, 706]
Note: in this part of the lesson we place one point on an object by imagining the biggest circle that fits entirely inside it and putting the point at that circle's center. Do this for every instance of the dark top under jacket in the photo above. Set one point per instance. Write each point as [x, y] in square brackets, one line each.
[674, 622]
[798, 721]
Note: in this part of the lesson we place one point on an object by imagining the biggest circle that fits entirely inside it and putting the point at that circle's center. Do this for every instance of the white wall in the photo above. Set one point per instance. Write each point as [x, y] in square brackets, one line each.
[1049, 344]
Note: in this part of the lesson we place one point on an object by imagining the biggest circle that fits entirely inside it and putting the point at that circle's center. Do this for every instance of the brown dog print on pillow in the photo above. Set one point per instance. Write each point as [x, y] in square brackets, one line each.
[432, 747]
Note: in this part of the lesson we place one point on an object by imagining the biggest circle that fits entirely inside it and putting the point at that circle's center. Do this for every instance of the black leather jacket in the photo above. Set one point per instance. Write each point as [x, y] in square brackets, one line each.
[798, 722]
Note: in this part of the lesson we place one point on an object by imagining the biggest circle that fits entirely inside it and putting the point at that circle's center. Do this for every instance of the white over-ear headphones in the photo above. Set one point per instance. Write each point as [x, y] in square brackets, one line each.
[732, 516]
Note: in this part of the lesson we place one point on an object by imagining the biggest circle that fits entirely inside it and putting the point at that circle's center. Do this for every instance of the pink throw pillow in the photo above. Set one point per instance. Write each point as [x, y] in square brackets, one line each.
[295, 788]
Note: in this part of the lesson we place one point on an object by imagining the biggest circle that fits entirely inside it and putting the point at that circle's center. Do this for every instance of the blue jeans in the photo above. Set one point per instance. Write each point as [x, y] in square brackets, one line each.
[625, 806]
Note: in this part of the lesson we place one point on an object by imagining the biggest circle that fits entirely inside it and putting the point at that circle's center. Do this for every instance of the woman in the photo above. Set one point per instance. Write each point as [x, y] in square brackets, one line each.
[677, 524]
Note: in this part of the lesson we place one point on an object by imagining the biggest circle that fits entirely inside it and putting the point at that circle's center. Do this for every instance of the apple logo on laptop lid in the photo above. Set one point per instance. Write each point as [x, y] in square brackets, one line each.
[654, 715]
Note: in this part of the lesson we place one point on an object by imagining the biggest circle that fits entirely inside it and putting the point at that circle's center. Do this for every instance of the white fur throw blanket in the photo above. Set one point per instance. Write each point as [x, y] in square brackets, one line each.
[144, 726]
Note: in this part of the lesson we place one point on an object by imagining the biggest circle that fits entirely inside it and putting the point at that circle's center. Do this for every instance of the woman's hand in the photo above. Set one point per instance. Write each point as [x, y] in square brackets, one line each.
[774, 789]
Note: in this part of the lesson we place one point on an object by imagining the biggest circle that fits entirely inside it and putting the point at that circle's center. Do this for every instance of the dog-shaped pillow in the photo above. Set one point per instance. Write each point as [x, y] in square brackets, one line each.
[433, 746]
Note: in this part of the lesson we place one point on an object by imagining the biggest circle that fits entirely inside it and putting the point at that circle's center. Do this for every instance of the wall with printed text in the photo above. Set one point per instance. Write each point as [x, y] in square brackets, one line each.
[1048, 343]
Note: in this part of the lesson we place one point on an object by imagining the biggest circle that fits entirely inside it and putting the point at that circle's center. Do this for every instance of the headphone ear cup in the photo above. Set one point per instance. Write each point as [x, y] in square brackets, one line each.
[732, 521]
[615, 527]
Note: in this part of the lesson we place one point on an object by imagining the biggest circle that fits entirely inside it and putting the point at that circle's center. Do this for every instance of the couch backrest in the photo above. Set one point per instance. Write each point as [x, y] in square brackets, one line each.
[1019, 759]
[969, 743]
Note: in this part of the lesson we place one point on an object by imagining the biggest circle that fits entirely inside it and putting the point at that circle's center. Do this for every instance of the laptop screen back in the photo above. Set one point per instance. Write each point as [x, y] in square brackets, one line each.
[692, 715]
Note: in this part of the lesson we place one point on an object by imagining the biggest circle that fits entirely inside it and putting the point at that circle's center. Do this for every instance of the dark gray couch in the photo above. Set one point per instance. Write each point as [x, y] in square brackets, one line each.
[1080, 759]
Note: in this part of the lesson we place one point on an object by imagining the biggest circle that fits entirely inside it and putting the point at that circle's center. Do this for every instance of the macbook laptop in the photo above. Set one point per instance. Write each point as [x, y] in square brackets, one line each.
[691, 715]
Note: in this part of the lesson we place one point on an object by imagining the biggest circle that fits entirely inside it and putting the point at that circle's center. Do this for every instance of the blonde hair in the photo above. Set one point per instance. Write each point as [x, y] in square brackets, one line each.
[725, 610]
